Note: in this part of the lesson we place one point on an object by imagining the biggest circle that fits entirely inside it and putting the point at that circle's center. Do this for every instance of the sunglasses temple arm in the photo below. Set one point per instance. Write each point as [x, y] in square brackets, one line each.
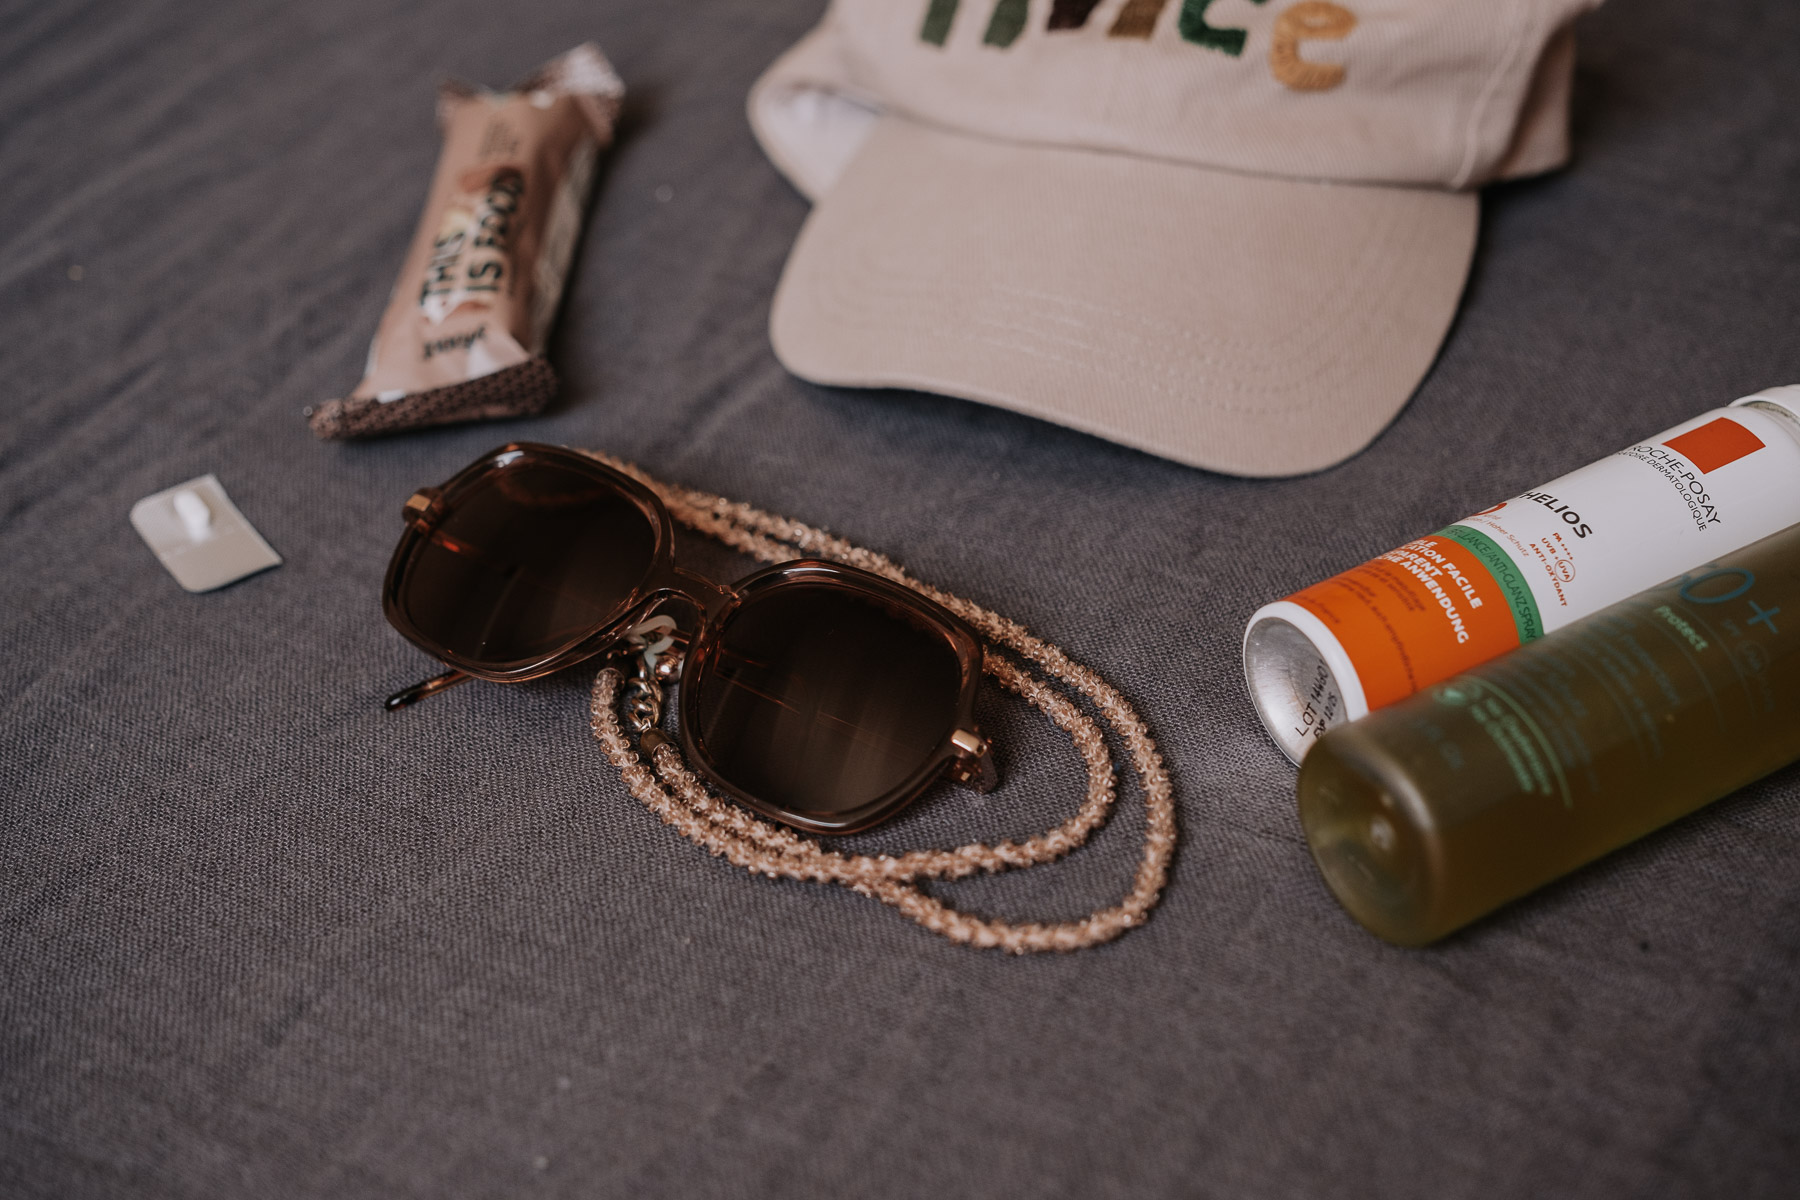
[418, 691]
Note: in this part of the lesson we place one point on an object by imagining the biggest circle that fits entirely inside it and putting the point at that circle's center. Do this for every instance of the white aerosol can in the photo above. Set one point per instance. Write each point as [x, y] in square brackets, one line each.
[1509, 574]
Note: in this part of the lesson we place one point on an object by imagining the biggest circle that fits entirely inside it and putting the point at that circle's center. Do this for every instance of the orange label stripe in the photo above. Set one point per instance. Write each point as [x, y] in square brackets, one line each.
[1414, 616]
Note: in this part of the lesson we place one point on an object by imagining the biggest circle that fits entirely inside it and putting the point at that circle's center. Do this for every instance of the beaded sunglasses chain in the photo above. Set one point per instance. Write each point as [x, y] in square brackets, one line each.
[675, 794]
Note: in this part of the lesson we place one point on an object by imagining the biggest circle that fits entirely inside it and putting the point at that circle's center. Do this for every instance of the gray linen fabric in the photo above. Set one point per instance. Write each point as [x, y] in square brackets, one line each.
[258, 938]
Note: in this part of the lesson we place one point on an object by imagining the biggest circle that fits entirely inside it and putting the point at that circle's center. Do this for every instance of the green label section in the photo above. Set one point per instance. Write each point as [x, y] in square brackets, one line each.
[1506, 573]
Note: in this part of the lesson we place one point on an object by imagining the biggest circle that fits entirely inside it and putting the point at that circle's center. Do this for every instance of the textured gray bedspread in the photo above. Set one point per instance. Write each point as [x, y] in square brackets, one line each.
[258, 938]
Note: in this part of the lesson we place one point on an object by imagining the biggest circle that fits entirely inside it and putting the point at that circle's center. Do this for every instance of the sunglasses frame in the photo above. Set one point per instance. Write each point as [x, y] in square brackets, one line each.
[963, 754]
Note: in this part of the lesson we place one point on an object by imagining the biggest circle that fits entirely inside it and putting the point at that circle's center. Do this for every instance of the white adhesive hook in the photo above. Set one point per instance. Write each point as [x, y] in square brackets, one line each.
[200, 536]
[195, 516]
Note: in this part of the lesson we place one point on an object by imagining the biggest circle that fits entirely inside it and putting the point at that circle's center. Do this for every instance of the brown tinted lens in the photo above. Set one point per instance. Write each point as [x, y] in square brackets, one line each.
[820, 699]
[526, 561]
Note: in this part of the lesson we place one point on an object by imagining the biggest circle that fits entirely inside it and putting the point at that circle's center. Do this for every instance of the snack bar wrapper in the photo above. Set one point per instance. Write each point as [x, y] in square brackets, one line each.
[464, 332]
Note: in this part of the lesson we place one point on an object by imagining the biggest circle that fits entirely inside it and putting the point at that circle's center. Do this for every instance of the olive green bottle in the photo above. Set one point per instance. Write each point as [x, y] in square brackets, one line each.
[1428, 814]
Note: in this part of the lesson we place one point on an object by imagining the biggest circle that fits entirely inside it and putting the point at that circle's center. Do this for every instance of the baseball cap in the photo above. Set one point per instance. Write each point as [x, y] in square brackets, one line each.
[1231, 233]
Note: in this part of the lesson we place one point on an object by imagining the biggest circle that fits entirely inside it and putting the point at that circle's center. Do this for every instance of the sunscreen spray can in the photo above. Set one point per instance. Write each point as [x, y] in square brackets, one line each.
[1430, 813]
[1510, 574]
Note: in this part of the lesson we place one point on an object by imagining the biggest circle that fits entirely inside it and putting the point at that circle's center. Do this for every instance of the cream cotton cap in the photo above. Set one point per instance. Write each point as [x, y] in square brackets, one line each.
[1228, 232]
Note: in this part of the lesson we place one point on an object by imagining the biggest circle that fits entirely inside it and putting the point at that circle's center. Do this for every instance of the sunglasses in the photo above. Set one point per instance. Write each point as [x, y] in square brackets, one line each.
[822, 696]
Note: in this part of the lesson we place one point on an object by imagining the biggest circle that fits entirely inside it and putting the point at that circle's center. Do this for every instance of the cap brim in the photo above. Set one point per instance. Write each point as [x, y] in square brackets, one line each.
[1239, 323]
